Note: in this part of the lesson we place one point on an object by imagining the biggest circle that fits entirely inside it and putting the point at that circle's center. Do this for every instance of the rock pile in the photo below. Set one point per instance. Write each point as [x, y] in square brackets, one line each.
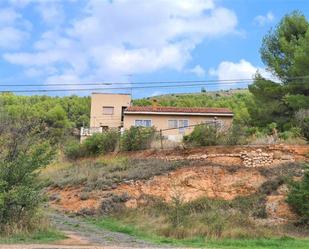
[256, 158]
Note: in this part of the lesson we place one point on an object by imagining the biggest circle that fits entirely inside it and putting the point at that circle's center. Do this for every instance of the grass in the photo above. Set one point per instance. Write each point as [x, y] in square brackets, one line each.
[270, 243]
[101, 173]
[45, 236]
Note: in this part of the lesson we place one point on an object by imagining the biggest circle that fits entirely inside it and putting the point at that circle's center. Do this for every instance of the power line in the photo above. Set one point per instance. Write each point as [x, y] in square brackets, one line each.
[118, 88]
[141, 82]
[125, 83]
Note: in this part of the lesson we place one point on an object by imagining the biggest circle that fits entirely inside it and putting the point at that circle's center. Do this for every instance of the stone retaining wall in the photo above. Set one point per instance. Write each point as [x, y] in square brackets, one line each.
[254, 158]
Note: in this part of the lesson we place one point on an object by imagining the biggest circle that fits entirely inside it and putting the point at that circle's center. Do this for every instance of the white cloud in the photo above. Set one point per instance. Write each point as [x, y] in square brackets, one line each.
[228, 70]
[263, 20]
[13, 29]
[11, 38]
[198, 71]
[114, 38]
[51, 12]
[8, 16]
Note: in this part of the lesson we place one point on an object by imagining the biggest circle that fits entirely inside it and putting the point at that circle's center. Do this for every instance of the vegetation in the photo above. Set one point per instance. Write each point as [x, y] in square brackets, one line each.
[59, 115]
[33, 127]
[298, 197]
[201, 223]
[41, 236]
[137, 138]
[98, 143]
[285, 52]
[205, 218]
[236, 100]
[103, 173]
[203, 135]
[23, 152]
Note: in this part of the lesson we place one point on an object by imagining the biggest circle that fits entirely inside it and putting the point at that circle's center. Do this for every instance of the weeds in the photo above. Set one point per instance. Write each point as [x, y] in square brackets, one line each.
[207, 218]
[105, 174]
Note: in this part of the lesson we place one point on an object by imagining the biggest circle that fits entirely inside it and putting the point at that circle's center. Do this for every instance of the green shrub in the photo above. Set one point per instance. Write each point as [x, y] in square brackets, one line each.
[74, 150]
[294, 132]
[203, 135]
[98, 143]
[298, 197]
[23, 154]
[101, 143]
[302, 120]
[137, 138]
[236, 135]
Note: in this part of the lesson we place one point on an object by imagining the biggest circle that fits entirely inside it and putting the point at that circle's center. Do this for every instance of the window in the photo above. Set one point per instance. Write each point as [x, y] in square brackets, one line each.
[172, 124]
[216, 123]
[183, 123]
[108, 110]
[143, 122]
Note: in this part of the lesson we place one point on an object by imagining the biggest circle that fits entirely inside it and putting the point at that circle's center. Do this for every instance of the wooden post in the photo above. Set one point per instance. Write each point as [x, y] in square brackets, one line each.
[161, 139]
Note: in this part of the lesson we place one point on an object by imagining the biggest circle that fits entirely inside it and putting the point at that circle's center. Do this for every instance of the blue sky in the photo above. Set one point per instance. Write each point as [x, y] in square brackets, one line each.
[81, 41]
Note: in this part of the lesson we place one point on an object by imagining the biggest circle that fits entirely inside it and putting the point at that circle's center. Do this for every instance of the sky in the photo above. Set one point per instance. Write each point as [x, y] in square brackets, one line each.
[84, 41]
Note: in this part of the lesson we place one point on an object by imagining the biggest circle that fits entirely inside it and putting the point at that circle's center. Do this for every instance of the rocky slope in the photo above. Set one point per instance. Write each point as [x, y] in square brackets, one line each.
[215, 172]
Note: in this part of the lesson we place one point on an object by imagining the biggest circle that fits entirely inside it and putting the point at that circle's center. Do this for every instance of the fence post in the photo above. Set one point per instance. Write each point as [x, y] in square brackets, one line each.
[161, 139]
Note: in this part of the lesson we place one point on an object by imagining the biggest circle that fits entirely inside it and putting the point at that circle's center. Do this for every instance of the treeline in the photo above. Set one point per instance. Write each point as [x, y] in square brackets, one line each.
[60, 115]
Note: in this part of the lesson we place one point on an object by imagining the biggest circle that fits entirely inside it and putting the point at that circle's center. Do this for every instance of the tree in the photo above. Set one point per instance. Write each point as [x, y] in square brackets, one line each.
[280, 46]
[285, 52]
[23, 152]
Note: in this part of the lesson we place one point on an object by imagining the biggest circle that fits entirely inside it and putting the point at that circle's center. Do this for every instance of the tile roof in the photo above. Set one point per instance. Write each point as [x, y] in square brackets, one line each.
[178, 109]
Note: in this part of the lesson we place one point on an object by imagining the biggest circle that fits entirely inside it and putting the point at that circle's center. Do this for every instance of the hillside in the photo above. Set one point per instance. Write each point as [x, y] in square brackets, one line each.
[214, 192]
[237, 100]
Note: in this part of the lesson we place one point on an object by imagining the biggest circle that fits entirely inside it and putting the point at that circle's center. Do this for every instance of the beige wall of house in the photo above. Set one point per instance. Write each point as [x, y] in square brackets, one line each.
[107, 109]
[160, 121]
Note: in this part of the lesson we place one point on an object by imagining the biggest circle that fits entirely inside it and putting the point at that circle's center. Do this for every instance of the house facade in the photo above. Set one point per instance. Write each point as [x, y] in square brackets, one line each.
[107, 112]
[114, 111]
[175, 122]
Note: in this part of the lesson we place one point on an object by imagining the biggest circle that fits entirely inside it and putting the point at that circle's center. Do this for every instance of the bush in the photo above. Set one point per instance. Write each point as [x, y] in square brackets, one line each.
[98, 143]
[294, 132]
[302, 120]
[137, 138]
[236, 135]
[298, 197]
[203, 135]
[101, 143]
[23, 154]
[74, 150]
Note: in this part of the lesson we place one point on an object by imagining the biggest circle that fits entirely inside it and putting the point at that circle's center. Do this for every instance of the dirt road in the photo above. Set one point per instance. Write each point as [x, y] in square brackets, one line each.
[82, 235]
[64, 247]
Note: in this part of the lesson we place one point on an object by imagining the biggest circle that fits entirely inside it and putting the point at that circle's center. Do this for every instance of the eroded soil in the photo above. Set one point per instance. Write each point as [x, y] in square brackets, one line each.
[222, 176]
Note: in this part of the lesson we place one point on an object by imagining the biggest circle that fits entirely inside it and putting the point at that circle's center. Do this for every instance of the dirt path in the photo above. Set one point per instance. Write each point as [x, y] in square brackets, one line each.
[83, 233]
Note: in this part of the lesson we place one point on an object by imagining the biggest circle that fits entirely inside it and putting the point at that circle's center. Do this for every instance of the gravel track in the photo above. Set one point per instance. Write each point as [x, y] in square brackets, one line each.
[90, 234]
[83, 235]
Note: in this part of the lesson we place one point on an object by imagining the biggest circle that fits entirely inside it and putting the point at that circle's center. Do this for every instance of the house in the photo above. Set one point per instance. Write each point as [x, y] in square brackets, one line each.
[114, 111]
[107, 112]
[174, 122]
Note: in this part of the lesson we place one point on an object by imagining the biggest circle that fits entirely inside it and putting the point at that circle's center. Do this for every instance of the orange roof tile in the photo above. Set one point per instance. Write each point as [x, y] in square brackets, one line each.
[158, 109]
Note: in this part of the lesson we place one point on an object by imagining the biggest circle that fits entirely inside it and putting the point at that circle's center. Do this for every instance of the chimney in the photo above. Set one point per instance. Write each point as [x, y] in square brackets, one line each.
[155, 103]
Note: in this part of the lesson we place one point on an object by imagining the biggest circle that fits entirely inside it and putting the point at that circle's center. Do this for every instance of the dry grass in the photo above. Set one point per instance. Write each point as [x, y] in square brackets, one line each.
[205, 218]
[103, 173]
